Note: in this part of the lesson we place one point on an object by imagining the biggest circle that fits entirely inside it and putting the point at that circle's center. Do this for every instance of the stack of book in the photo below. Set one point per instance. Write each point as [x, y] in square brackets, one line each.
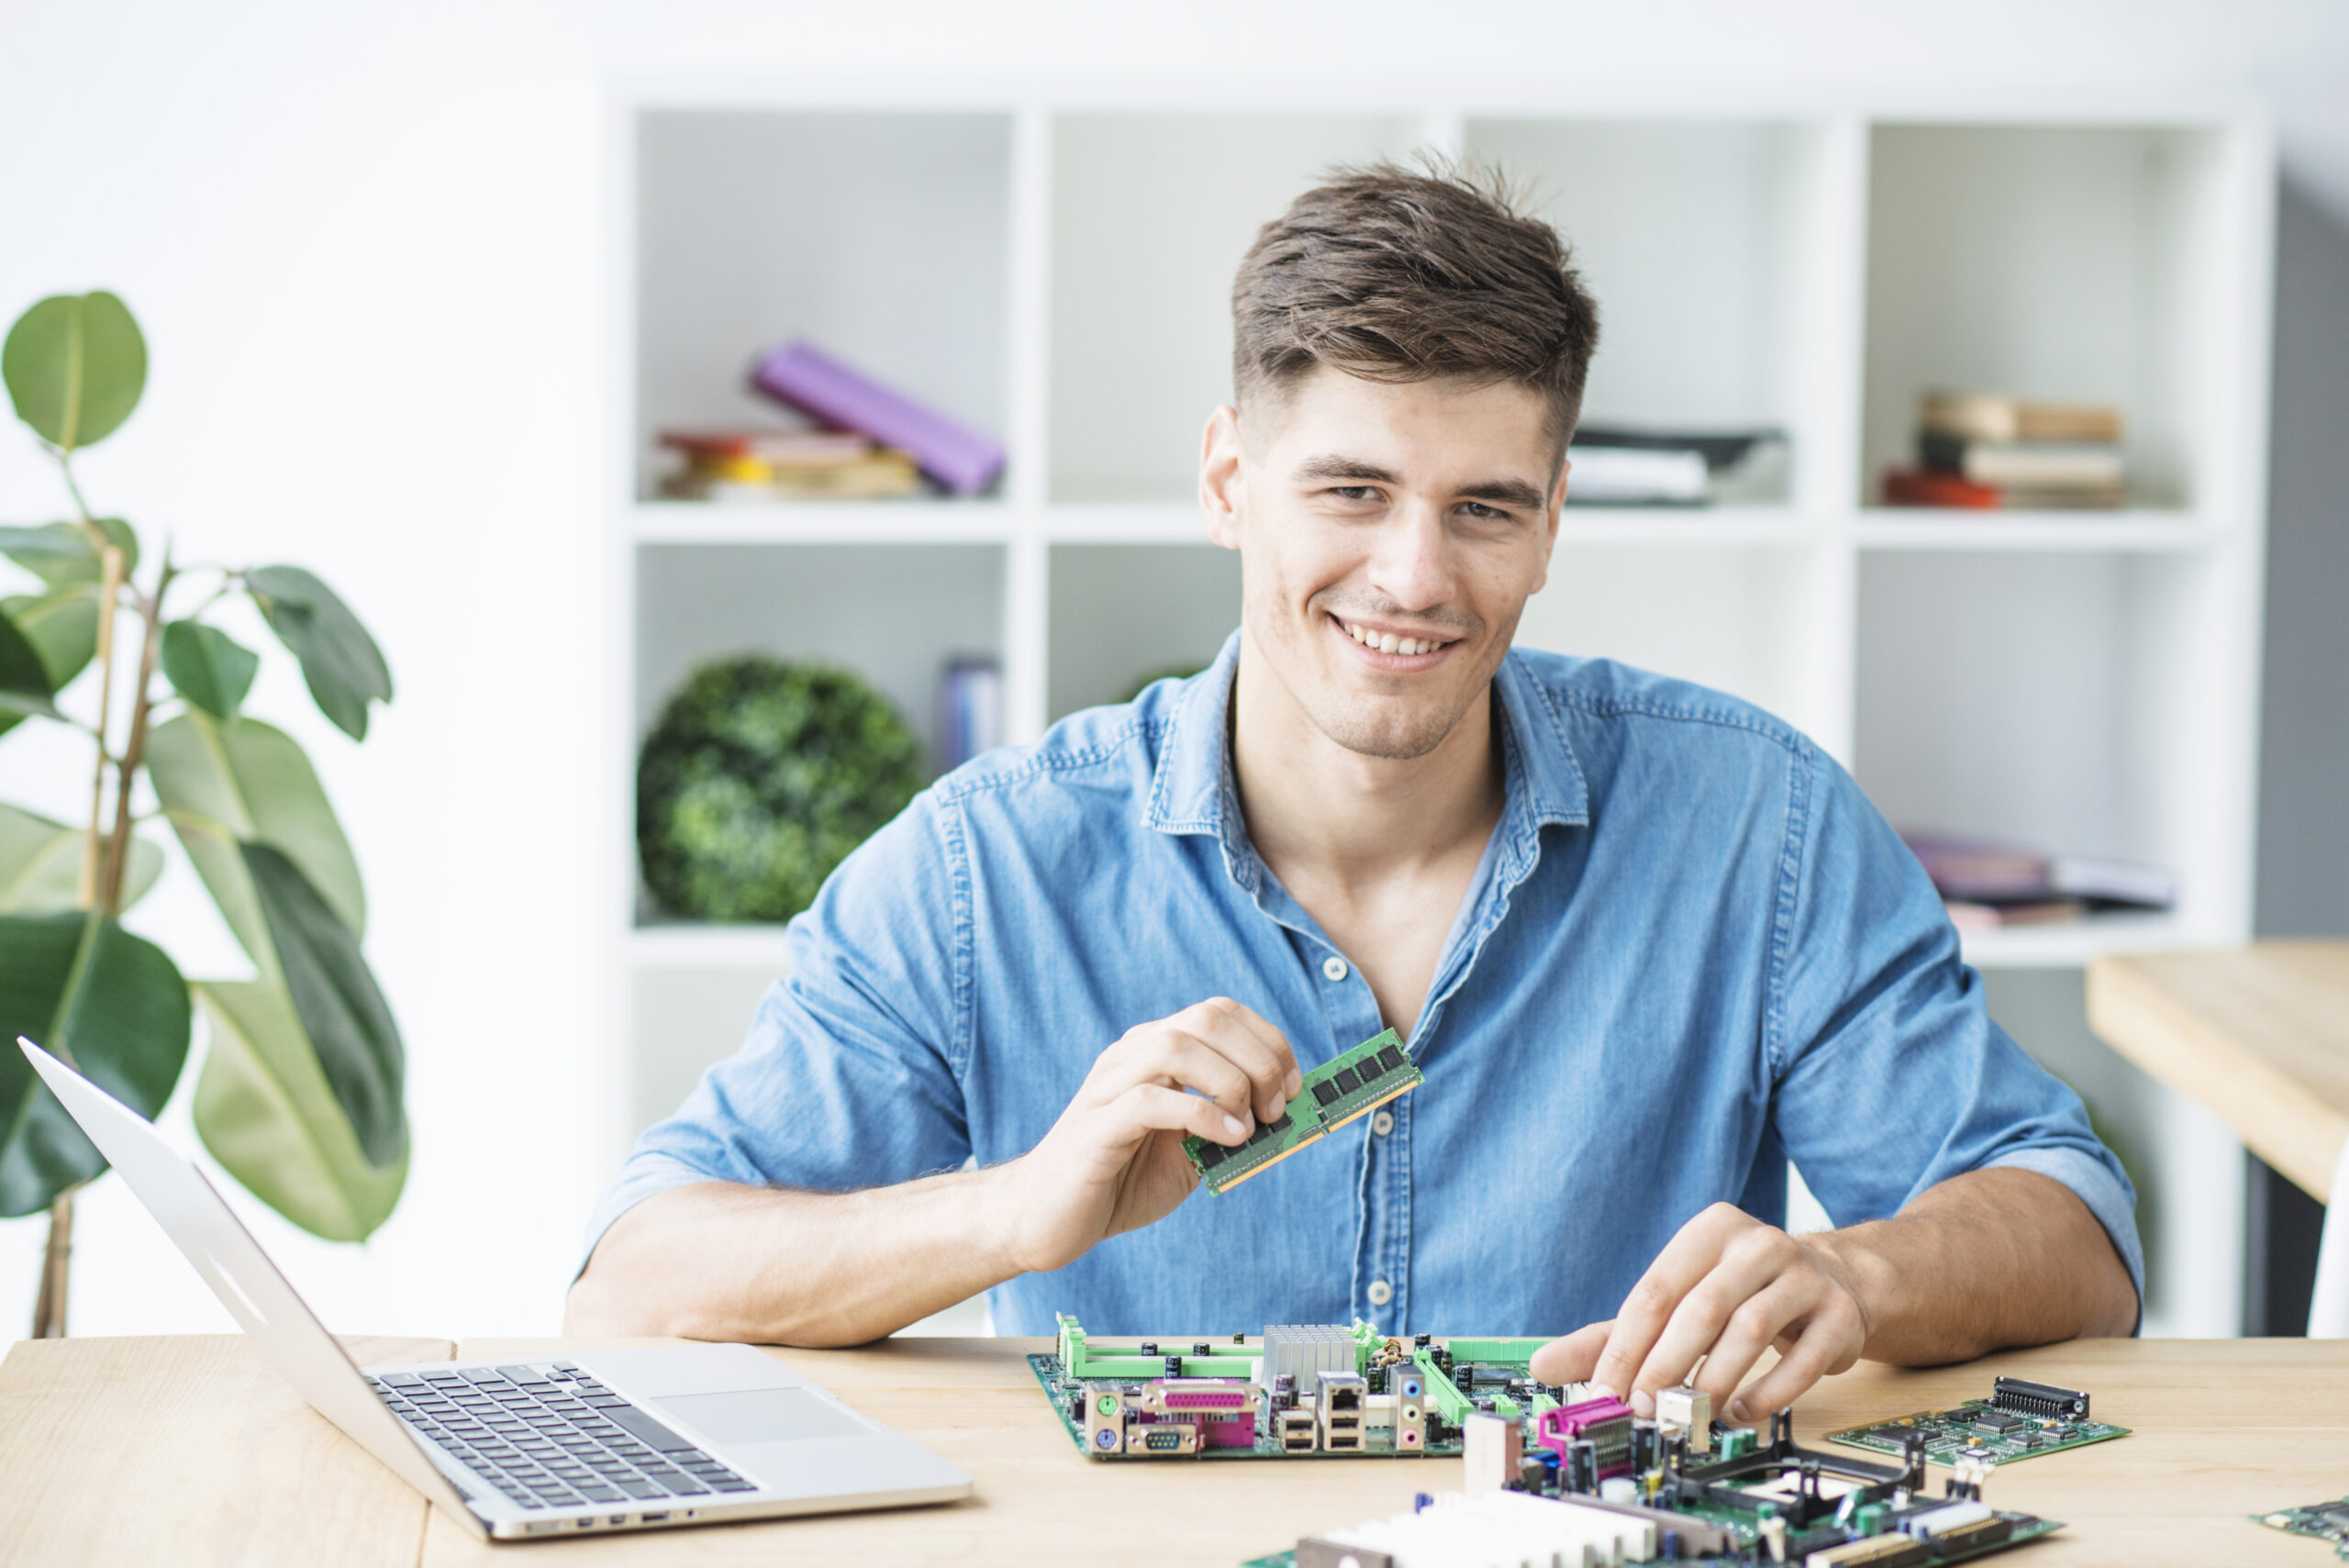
[785, 465]
[1986, 884]
[1990, 451]
[1619, 466]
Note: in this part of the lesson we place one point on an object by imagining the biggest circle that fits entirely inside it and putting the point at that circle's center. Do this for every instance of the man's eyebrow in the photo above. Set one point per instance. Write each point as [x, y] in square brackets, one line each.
[1331, 466]
[1505, 493]
[1346, 470]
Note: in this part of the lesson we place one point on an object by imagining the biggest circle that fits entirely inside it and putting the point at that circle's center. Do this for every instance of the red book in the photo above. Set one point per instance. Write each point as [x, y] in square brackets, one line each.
[1920, 487]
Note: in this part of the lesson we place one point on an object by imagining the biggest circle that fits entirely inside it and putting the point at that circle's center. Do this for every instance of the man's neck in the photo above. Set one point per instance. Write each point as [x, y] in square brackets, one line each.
[1319, 814]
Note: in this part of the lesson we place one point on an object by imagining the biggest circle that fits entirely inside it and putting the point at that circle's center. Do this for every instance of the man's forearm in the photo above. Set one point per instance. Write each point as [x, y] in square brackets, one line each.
[1982, 1261]
[715, 1261]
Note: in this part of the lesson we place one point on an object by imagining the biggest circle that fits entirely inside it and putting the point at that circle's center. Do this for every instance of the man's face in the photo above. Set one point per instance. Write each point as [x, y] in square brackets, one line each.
[1389, 536]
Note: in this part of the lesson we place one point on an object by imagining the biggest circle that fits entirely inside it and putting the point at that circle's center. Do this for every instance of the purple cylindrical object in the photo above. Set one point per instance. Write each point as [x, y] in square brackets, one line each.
[965, 461]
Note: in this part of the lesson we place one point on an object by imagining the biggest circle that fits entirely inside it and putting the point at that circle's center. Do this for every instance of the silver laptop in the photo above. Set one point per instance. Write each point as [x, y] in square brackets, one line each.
[543, 1445]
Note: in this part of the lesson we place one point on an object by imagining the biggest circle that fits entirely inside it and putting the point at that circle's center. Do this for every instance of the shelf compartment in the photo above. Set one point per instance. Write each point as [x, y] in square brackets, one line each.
[1748, 621]
[895, 616]
[883, 236]
[1119, 612]
[1151, 216]
[2048, 700]
[2071, 263]
[1696, 238]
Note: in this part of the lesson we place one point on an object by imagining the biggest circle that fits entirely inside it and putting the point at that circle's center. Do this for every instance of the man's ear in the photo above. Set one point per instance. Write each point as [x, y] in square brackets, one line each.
[1550, 534]
[1221, 483]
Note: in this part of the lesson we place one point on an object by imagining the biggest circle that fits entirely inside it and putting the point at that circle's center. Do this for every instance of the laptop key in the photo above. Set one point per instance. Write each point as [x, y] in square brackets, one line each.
[639, 1489]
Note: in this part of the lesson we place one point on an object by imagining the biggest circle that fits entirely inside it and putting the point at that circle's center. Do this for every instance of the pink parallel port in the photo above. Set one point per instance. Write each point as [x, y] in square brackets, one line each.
[1564, 1424]
[1234, 1399]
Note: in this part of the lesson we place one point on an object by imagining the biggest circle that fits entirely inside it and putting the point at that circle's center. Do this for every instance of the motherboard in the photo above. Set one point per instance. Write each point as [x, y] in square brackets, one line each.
[2019, 1420]
[2323, 1521]
[1593, 1476]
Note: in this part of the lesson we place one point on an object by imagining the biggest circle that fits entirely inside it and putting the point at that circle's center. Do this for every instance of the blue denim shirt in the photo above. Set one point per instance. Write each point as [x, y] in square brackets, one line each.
[1692, 951]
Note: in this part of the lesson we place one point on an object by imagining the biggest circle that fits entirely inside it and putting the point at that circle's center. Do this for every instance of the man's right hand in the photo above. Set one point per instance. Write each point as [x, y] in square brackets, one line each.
[1114, 1160]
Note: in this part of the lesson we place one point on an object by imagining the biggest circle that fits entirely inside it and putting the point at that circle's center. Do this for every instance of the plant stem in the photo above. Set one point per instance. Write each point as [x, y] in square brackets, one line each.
[110, 588]
[48, 1306]
[150, 615]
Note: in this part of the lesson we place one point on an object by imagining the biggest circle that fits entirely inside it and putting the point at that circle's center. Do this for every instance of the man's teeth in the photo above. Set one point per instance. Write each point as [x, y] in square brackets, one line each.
[1387, 642]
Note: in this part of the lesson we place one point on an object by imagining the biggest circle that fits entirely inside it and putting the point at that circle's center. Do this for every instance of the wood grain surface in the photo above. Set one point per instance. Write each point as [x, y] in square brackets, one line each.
[2222, 1429]
[189, 1450]
[2259, 1034]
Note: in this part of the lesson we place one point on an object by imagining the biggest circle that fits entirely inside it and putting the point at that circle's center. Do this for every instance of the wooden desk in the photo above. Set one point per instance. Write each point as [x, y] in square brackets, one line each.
[186, 1451]
[2259, 1034]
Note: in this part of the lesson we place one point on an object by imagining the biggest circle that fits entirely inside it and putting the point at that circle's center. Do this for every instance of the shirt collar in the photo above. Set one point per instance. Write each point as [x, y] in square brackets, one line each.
[1193, 789]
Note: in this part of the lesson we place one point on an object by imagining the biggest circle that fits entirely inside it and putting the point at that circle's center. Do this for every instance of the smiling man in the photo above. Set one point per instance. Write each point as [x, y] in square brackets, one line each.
[1646, 942]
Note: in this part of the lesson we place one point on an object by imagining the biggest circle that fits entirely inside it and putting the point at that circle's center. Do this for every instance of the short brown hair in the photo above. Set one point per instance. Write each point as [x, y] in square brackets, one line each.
[1397, 275]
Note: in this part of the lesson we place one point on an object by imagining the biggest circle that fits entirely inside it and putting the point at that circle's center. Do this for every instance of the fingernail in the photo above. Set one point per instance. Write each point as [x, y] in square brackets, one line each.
[1278, 1106]
[1642, 1403]
[1295, 1082]
[1234, 1127]
[1737, 1411]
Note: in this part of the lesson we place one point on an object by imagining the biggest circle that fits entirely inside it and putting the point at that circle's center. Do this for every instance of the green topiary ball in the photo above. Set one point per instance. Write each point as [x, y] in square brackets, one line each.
[758, 779]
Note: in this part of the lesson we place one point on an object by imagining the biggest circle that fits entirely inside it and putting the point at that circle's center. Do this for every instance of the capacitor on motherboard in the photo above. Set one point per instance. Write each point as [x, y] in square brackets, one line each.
[1579, 1472]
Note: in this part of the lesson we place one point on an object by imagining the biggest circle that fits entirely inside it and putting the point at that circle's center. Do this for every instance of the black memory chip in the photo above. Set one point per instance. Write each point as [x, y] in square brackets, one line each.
[1325, 1093]
[1212, 1154]
[1346, 1079]
[1390, 1059]
[1369, 1068]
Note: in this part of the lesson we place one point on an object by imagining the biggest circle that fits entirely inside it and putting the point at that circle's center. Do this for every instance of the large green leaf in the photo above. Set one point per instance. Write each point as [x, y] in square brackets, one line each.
[112, 1005]
[246, 779]
[62, 625]
[266, 1112]
[207, 666]
[342, 1010]
[61, 554]
[343, 666]
[23, 678]
[75, 365]
[40, 866]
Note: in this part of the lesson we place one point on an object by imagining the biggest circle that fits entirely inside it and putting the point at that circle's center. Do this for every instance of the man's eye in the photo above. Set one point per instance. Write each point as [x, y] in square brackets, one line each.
[1354, 493]
[1478, 509]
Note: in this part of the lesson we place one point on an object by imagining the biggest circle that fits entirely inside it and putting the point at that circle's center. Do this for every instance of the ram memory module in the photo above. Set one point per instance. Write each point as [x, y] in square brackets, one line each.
[1351, 1086]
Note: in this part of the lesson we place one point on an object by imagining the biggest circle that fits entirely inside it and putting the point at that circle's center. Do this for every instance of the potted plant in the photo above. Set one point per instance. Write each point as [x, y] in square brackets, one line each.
[299, 1095]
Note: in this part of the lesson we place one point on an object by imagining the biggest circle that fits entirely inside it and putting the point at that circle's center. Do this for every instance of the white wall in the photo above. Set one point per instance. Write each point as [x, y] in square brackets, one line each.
[367, 243]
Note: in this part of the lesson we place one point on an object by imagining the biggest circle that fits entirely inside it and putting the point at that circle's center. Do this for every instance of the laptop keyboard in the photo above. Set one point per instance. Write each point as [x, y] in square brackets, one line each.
[553, 1437]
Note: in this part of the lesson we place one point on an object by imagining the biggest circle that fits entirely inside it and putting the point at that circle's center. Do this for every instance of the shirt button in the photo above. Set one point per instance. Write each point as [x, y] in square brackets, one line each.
[1381, 1293]
[1382, 1123]
[1333, 967]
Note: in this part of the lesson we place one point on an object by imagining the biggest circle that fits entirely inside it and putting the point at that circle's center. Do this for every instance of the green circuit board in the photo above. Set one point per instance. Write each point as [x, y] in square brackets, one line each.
[1978, 1430]
[2320, 1521]
[1344, 1089]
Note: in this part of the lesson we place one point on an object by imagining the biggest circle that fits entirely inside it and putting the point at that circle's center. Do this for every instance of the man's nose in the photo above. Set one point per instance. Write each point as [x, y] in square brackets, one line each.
[1411, 565]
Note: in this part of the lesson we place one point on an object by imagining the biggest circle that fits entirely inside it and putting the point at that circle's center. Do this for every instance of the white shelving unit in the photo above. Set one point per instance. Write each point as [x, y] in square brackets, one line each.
[1056, 267]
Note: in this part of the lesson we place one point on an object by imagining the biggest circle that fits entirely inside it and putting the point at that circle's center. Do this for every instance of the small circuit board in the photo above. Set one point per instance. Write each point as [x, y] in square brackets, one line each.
[1339, 1091]
[1595, 1476]
[2320, 1521]
[2019, 1420]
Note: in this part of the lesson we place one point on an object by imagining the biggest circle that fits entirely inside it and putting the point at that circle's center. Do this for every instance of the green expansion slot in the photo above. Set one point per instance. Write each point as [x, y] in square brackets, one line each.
[2320, 1521]
[1984, 1430]
[1332, 1095]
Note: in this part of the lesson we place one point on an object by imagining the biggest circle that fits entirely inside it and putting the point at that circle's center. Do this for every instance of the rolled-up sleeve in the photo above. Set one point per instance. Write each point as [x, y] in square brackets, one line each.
[851, 1075]
[1889, 1076]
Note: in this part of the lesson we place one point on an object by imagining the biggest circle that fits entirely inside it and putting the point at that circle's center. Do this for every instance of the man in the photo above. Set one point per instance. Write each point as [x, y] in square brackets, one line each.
[1645, 942]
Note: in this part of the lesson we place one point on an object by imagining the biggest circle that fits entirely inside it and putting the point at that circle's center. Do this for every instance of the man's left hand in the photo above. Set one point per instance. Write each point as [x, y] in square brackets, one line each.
[1727, 1287]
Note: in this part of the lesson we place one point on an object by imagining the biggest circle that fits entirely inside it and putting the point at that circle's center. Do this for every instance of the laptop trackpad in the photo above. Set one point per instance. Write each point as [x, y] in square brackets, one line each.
[764, 1415]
